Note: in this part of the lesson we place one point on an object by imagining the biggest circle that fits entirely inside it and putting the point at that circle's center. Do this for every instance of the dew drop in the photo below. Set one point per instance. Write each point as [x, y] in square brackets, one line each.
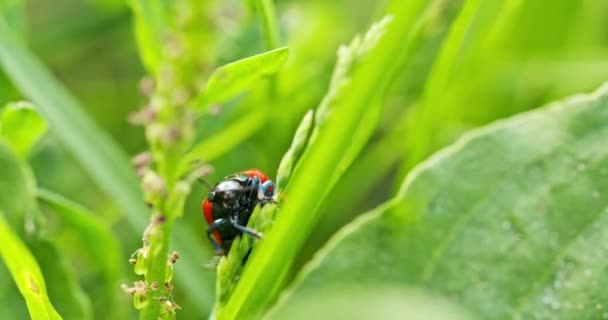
[595, 194]
[581, 167]
[599, 306]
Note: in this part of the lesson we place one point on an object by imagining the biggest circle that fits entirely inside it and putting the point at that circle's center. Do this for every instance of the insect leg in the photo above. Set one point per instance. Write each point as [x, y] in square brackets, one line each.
[246, 230]
[210, 230]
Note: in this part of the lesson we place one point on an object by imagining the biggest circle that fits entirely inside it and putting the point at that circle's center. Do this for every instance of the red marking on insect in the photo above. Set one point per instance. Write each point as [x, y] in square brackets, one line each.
[256, 173]
[207, 207]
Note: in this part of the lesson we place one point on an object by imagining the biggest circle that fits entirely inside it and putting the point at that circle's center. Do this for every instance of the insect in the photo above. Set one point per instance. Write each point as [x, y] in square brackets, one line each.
[229, 205]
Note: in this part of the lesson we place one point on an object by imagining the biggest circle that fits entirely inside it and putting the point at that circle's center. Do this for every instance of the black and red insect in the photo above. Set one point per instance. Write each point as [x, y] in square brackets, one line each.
[229, 205]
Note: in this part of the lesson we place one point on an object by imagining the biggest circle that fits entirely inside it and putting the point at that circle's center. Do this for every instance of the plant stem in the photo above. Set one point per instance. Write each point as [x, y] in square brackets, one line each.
[159, 233]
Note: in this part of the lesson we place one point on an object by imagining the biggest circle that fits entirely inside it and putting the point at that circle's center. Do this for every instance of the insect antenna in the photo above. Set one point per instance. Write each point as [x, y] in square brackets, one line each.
[205, 183]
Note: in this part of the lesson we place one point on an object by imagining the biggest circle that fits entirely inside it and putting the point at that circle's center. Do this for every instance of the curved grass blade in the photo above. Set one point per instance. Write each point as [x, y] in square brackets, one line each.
[26, 274]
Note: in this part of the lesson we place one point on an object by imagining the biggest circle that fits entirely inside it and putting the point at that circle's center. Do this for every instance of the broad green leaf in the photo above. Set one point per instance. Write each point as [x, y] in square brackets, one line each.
[102, 246]
[369, 303]
[99, 155]
[26, 273]
[17, 188]
[509, 222]
[236, 77]
[21, 126]
[61, 281]
[150, 24]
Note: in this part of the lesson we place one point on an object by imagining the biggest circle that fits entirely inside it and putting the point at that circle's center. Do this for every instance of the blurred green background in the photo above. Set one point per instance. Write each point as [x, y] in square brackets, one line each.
[506, 64]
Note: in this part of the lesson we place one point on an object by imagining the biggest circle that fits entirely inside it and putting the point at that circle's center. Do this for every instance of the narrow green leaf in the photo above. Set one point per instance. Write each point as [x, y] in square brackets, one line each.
[98, 154]
[150, 25]
[102, 246]
[427, 117]
[26, 273]
[21, 126]
[236, 77]
[321, 161]
[507, 221]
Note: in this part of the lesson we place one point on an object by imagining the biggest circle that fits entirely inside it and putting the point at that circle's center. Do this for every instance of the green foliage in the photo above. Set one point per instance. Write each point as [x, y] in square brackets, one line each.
[102, 246]
[100, 155]
[519, 197]
[26, 273]
[17, 189]
[12, 11]
[236, 77]
[62, 286]
[369, 303]
[293, 154]
[219, 144]
[501, 224]
[331, 140]
[21, 127]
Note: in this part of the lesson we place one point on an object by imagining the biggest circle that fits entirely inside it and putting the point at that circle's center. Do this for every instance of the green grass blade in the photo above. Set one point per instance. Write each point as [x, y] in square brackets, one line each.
[506, 221]
[102, 245]
[26, 273]
[236, 77]
[275, 254]
[93, 148]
